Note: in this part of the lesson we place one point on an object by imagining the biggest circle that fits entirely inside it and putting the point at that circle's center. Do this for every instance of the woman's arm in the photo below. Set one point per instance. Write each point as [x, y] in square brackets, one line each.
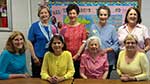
[81, 49]
[118, 64]
[144, 68]
[115, 42]
[106, 67]
[70, 67]
[82, 68]
[147, 45]
[5, 59]
[83, 76]
[105, 75]
[30, 46]
[4, 63]
[146, 36]
[44, 69]
[12, 76]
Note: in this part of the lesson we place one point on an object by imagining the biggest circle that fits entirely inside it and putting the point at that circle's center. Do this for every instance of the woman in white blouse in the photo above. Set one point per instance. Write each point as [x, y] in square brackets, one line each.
[132, 26]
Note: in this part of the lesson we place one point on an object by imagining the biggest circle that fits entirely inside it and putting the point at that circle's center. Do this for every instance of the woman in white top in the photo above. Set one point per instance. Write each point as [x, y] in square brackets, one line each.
[132, 26]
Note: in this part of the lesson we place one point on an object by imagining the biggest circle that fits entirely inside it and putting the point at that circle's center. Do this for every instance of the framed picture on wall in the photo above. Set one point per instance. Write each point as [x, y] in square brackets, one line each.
[5, 15]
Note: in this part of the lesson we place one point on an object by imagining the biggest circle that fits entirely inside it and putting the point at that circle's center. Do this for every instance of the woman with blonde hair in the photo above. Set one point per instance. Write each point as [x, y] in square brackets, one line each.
[132, 65]
[39, 35]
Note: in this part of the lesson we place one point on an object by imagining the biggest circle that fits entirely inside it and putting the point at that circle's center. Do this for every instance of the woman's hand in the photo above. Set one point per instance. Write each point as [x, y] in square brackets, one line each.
[26, 75]
[55, 79]
[83, 76]
[36, 61]
[51, 80]
[124, 77]
[132, 78]
[106, 50]
[75, 57]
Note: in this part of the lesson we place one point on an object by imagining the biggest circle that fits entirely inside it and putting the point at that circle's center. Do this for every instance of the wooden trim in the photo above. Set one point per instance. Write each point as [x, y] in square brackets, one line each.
[139, 5]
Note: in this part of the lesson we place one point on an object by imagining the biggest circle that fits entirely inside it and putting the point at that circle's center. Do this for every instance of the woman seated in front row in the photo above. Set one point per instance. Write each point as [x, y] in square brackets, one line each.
[94, 63]
[13, 58]
[57, 64]
[132, 65]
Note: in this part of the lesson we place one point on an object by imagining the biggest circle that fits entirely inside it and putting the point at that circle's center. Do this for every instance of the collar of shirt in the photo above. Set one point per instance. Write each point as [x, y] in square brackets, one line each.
[137, 26]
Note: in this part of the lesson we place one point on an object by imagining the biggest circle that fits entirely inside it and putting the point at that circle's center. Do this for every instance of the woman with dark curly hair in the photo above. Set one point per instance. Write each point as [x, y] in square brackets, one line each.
[74, 34]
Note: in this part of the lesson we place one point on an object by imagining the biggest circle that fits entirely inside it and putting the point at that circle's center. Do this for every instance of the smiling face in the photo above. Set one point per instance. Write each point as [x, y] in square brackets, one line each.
[130, 45]
[132, 16]
[103, 16]
[73, 15]
[57, 46]
[44, 14]
[18, 42]
[93, 46]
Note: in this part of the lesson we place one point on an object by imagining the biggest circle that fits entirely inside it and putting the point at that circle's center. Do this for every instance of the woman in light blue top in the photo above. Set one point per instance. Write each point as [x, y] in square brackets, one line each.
[107, 33]
[13, 59]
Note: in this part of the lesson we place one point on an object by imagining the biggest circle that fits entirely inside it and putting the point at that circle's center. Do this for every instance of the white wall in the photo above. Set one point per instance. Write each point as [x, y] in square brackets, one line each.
[145, 11]
[34, 9]
[22, 17]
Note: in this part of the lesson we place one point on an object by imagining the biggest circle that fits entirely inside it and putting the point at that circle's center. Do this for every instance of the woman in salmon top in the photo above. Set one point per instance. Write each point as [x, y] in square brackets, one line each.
[74, 34]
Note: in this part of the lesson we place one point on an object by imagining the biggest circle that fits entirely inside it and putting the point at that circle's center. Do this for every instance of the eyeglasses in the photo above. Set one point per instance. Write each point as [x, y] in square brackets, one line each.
[130, 43]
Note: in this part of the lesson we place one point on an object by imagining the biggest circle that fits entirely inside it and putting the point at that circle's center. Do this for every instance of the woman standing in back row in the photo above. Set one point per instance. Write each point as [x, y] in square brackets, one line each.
[132, 26]
[39, 35]
[108, 35]
[74, 34]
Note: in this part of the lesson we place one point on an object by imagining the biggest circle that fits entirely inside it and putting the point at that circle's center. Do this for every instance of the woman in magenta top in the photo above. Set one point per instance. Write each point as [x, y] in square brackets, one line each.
[94, 63]
[74, 34]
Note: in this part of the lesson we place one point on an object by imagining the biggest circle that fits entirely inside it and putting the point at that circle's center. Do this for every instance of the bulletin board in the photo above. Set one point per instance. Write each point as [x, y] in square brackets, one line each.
[88, 10]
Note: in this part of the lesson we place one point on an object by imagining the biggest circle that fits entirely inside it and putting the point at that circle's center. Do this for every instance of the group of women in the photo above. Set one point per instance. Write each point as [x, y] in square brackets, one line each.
[57, 56]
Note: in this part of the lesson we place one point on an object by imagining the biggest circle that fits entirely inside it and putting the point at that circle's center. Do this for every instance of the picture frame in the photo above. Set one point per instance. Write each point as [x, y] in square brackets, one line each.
[5, 15]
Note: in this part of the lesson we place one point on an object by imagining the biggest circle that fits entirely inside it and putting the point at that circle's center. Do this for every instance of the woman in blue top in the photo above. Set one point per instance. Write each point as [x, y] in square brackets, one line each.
[39, 35]
[13, 59]
[107, 33]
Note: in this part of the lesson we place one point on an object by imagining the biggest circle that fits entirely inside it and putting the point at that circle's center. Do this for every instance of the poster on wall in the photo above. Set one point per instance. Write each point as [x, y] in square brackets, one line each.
[88, 13]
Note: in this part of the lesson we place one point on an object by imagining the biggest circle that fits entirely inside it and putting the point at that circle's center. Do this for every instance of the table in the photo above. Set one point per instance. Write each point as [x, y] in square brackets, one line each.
[95, 81]
[31, 81]
[76, 81]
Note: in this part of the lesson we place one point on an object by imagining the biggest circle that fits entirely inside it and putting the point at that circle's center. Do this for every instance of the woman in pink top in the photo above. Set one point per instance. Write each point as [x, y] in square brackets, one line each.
[94, 63]
[74, 34]
[53, 25]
